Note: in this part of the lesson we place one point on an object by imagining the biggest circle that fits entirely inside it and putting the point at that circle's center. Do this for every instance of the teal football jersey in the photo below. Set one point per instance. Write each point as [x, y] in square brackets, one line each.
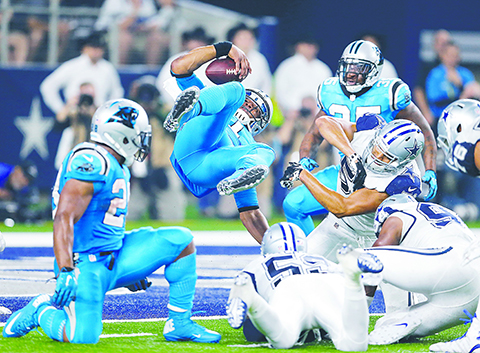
[102, 226]
[385, 98]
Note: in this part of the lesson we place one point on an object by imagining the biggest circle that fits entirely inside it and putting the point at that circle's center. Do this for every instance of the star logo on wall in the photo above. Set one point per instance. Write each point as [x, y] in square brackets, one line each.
[34, 129]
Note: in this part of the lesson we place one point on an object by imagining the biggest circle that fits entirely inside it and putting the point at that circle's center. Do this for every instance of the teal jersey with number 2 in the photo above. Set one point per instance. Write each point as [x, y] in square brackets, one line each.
[102, 226]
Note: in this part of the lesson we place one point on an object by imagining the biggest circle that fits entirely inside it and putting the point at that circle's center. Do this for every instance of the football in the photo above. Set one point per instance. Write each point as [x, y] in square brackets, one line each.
[221, 71]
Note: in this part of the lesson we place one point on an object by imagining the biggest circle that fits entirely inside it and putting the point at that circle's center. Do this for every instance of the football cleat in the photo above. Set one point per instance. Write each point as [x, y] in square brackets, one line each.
[179, 327]
[236, 307]
[242, 179]
[469, 342]
[357, 261]
[236, 312]
[25, 320]
[183, 104]
[392, 332]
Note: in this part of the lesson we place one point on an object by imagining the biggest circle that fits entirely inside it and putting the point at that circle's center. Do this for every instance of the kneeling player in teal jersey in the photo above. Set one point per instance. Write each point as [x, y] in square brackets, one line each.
[94, 253]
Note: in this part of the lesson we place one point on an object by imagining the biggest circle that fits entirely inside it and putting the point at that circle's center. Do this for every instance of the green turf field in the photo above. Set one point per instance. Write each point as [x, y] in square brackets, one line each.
[232, 341]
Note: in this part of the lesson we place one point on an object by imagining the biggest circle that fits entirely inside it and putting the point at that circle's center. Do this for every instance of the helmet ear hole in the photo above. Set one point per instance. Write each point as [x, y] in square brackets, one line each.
[125, 140]
[459, 128]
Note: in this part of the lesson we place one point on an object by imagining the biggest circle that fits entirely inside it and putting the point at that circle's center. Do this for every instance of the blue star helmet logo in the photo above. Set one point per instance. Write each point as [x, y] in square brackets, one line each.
[412, 151]
[444, 116]
[126, 116]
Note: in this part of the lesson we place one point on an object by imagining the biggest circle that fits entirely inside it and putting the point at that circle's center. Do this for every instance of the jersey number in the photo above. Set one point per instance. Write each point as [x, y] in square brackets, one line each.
[437, 215]
[111, 218]
[345, 113]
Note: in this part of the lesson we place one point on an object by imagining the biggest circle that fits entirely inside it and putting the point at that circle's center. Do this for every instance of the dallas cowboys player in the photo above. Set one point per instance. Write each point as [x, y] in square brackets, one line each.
[286, 291]
[458, 137]
[214, 146]
[388, 152]
[93, 252]
[432, 240]
[355, 91]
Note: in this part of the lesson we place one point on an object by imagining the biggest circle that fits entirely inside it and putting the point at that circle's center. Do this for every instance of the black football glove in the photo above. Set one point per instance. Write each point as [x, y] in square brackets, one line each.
[352, 173]
[291, 174]
[143, 284]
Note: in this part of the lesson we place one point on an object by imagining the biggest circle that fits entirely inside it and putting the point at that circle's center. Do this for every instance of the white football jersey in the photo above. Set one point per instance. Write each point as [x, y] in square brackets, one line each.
[462, 158]
[268, 271]
[425, 224]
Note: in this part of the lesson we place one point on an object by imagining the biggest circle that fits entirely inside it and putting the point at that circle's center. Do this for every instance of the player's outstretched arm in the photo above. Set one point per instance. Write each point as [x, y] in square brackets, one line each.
[359, 202]
[186, 64]
[412, 113]
[309, 145]
[337, 132]
[255, 222]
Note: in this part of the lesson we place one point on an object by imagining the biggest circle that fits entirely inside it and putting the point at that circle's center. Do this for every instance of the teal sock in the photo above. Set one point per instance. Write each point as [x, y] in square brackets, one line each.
[182, 277]
[52, 321]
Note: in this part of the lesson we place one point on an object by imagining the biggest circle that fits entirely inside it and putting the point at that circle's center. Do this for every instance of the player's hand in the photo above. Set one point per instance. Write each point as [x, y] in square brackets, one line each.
[308, 163]
[430, 178]
[242, 65]
[66, 289]
[291, 174]
[143, 284]
[353, 169]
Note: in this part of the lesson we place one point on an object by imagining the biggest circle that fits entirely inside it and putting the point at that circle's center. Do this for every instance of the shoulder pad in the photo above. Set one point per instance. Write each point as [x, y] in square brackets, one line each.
[88, 162]
[406, 183]
[400, 95]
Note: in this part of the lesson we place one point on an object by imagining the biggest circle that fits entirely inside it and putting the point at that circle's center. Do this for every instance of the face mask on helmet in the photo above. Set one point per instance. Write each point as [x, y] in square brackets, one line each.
[283, 237]
[256, 112]
[461, 115]
[387, 207]
[394, 146]
[360, 66]
[123, 125]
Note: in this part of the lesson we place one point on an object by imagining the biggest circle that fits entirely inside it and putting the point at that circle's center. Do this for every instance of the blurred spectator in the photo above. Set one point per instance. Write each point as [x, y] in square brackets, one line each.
[17, 193]
[191, 39]
[440, 39]
[245, 38]
[68, 78]
[36, 27]
[298, 76]
[446, 83]
[449, 81]
[155, 188]
[88, 67]
[141, 27]
[75, 120]
[388, 70]
[17, 40]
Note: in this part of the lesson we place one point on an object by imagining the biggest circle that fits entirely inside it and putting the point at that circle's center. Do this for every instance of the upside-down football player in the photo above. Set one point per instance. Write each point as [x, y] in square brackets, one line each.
[214, 145]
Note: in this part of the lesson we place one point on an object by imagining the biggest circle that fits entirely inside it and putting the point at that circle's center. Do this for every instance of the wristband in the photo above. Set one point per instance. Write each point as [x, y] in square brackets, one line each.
[66, 269]
[222, 48]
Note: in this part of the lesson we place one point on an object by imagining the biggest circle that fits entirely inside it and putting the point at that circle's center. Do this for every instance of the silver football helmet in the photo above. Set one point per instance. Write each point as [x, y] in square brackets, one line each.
[360, 65]
[394, 146]
[283, 237]
[247, 114]
[123, 125]
[387, 207]
[461, 115]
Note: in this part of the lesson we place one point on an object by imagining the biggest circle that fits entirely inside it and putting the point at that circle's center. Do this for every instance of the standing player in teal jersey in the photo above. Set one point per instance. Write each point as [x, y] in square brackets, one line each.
[355, 91]
[94, 253]
[214, 146]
